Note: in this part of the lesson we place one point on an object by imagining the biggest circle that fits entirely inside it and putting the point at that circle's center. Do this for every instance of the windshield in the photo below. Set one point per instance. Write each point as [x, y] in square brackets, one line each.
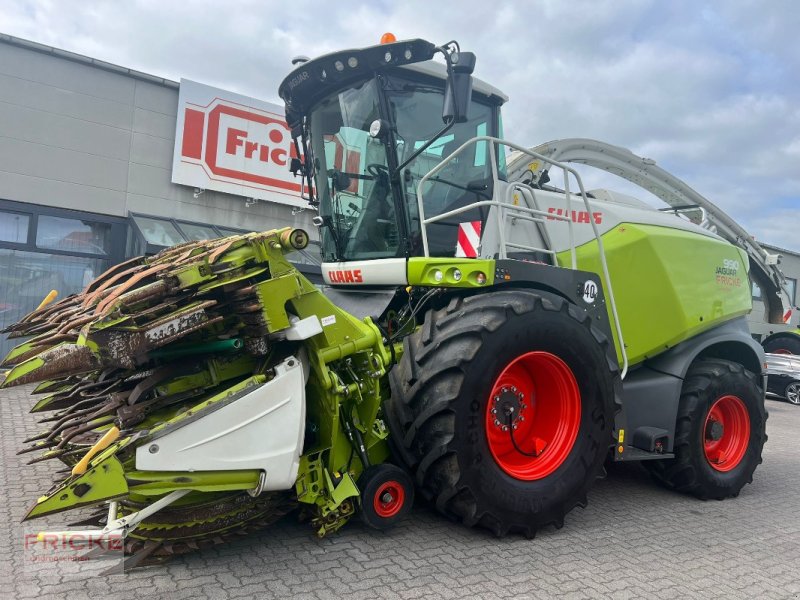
[352, 169]
[417, 112]
[352, 177]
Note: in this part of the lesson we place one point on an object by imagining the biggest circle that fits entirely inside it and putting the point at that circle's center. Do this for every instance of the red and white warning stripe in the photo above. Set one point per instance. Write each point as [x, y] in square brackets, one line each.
[469, 239]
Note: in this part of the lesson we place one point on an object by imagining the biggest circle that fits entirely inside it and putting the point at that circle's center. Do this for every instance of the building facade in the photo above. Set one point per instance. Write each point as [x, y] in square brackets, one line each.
[86, 175]
[790, 265]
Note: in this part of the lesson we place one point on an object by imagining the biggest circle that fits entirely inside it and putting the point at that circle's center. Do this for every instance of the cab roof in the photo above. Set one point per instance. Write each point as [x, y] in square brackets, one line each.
[315, 79]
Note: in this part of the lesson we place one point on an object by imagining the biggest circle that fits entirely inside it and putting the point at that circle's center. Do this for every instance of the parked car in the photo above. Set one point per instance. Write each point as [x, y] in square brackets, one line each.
[783, 376]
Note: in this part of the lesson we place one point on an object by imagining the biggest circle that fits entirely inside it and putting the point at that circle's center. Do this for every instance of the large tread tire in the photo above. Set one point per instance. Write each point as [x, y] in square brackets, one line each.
[441, 387]
[690, 472]
[783, 344]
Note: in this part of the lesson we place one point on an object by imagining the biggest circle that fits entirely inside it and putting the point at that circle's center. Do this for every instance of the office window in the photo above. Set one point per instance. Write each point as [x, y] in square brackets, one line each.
[73, 235]
[792, 285]
[14, 227]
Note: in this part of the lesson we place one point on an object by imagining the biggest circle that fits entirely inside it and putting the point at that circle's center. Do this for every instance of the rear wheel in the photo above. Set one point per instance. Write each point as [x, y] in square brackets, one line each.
[783, 344]
[720, 432]
[503, 407]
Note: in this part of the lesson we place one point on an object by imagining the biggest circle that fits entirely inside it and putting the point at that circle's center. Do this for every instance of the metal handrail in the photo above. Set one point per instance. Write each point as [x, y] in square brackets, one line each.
[501, 206]
[505, 207]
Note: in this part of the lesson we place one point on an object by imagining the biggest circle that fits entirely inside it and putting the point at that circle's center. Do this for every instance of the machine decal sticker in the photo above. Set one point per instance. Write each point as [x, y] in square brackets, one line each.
[469, 239]
[577, 216]
[727, 274]
[345, 276]
[589, 291]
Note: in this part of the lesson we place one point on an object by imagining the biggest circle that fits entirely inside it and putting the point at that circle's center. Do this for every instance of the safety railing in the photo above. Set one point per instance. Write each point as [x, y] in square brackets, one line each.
[507, 210]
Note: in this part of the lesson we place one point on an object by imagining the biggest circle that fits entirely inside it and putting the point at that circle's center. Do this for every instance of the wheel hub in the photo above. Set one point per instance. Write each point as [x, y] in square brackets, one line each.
[389, 499]
[714, 430]
[533, 415]
[508, 405]
[727, 433]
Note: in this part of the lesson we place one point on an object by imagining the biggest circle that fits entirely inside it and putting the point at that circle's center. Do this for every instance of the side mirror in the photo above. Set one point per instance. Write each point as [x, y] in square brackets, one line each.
[458, 92]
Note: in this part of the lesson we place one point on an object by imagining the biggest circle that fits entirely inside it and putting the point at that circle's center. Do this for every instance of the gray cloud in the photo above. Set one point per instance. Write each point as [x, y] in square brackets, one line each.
[708, 89]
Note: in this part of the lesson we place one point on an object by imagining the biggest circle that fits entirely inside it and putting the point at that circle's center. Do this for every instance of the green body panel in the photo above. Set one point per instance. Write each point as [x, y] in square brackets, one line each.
[104, 480]
[669, 284]
[158, 483]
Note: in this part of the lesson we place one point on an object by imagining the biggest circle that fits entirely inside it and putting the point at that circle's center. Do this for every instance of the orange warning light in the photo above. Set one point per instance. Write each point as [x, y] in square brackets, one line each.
[388, 38]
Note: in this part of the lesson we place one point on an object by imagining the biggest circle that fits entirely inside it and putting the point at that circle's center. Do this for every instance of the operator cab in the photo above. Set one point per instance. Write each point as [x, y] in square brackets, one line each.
[372, 123]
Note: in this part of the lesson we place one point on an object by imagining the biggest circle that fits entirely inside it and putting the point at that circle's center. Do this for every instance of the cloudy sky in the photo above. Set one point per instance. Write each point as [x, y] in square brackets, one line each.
[710, 90]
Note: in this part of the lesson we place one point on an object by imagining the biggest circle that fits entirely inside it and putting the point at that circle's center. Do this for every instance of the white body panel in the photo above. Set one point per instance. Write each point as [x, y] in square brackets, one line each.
[607, 211]
[386, 271]
[263, 429]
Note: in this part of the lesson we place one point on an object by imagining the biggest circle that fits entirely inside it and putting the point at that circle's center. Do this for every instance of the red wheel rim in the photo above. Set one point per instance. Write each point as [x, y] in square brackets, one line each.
[546, 403]
[389, 499]
[726, 433]
[780, 351]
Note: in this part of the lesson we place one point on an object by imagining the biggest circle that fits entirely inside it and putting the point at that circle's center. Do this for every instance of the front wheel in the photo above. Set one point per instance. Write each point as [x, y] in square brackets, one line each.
[720, 432]
[387, 495]
[503, 408]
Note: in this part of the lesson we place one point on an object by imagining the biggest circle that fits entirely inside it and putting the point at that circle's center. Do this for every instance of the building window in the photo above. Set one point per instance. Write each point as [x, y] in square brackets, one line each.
[14, 227]
[198, 232]
[792, 285]
[47, 248]
[158, 232]
[150, 234]
[73, 235]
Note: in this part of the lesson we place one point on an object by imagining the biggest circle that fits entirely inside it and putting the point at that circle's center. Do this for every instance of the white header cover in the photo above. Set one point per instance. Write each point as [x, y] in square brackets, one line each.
[233, 144]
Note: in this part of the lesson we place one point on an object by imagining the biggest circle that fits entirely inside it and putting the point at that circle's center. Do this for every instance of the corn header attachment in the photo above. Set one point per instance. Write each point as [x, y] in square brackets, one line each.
[201, 393]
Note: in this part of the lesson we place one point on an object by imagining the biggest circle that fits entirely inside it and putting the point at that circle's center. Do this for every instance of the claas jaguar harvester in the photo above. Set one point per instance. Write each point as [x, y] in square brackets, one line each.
[491, 333]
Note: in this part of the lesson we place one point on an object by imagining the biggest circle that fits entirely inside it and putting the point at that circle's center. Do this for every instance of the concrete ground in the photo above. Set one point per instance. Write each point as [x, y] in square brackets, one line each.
[634, 540]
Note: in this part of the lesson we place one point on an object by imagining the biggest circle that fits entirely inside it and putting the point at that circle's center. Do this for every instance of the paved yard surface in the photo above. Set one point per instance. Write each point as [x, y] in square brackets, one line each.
[634, 540]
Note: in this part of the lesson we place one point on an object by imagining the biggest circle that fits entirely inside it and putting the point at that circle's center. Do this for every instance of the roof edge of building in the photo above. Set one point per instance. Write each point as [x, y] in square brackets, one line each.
[86, 60]
[779, 249]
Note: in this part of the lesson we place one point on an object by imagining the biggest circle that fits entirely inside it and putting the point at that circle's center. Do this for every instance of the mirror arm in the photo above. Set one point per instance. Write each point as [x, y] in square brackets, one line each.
[424, 147]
